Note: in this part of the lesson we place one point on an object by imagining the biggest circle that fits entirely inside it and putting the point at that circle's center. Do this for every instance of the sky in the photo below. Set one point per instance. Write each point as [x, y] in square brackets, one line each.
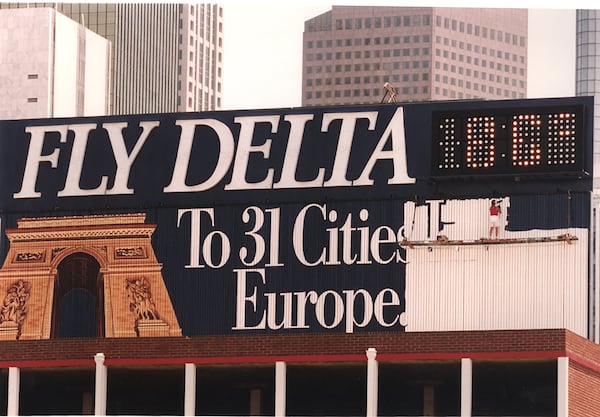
[262, 63]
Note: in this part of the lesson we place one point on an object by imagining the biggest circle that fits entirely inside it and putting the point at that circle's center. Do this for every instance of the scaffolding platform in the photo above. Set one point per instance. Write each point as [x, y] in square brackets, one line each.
[444, 241]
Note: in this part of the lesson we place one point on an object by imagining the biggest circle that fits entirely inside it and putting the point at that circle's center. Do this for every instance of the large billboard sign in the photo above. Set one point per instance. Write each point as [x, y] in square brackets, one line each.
[284, 220]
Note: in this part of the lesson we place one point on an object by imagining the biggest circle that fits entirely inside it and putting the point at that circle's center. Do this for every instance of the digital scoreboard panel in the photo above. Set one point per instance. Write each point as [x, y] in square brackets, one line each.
[516, 142]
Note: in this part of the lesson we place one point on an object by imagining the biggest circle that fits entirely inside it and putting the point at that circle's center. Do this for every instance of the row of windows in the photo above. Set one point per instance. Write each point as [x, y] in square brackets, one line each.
[365, 92]
[415, 77]
[376, 66]
[379, 22]
[411, 91]
[445, 92]
[475, 85]
[482, 31]
[461, 70]
[483, 63]
[386, 40]
[478, 50]
[368, 54]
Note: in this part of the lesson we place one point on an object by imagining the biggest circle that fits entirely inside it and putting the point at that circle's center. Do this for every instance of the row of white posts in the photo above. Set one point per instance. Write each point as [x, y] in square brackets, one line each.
[280, 387]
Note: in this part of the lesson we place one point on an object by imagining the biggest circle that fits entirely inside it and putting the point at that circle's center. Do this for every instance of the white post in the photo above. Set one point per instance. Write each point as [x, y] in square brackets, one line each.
[562, 393]
[14, 377]
[280, 388]
[101, 382]
[190, 390]
[466, 387]
[372, 386]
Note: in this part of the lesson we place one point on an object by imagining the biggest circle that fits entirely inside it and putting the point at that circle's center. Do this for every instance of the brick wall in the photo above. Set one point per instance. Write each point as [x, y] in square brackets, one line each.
[291, 347]
[584, 391]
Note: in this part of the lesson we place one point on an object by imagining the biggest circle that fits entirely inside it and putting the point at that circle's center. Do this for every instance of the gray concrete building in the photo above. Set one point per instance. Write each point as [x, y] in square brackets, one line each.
[424, 53]
[587, 72]
[167, 57]
[51, 66]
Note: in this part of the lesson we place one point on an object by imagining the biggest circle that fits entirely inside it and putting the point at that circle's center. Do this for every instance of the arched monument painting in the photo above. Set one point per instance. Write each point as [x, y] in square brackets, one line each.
[83, 276]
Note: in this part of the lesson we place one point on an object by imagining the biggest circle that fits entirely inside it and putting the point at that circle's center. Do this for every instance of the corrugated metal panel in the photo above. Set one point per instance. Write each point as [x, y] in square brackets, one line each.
[494, 286]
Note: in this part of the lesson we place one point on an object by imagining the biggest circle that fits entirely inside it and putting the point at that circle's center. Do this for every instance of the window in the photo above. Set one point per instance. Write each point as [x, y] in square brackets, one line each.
[32, 100]
[32, 76]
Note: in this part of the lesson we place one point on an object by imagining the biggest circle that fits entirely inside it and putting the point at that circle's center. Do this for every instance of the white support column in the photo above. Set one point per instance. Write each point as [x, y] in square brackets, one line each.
[14, 378]
[372, 382]
[562, 393]
[189, 408]
[466, 387]
[101, 382]
[280, 388]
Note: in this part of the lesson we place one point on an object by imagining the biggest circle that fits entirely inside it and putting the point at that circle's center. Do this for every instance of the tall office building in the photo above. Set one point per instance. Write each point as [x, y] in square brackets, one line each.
[167, 57]
[587, 83]
[424, 53]
[587, 74]
[50, 66]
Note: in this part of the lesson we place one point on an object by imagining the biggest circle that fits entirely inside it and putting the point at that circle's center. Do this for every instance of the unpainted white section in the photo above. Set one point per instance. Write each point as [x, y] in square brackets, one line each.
[492, 286]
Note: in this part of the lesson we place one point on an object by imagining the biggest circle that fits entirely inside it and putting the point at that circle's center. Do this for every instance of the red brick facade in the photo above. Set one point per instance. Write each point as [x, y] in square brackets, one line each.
[518, 344]
[584, 355]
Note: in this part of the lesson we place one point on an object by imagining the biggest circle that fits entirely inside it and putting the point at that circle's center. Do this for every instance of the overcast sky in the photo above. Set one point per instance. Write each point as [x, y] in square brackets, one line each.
[263, 48]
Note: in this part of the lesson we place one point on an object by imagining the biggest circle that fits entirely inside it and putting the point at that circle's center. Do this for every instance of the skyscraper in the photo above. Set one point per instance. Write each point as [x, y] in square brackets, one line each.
[51, 66]
[587, 74]
[166, 57]
[425, 53]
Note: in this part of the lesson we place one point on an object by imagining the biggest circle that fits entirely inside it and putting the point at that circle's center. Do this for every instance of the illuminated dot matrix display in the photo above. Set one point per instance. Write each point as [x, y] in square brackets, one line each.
[508, 141]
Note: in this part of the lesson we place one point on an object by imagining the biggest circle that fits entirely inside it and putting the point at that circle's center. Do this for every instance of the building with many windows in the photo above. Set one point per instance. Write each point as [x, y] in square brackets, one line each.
[424, 53]
[588, 69]
[166, 57]
[66, 74]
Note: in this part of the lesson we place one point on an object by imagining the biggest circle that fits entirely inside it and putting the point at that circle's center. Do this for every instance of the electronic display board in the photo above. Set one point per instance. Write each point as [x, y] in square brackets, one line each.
[510, 141]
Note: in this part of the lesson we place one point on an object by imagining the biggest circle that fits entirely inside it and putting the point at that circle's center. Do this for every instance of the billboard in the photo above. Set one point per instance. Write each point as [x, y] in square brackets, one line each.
[269, 221]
